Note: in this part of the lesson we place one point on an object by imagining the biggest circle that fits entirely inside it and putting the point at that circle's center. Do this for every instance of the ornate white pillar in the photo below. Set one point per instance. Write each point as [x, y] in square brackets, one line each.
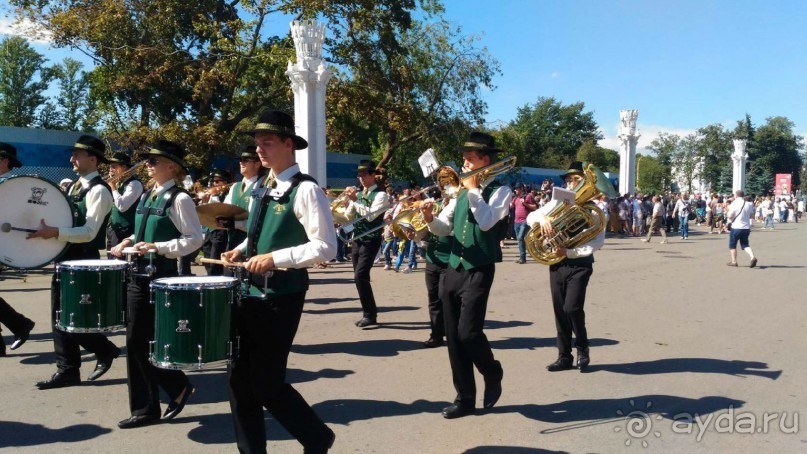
[628, 138]
[309, 76]
[738, 158]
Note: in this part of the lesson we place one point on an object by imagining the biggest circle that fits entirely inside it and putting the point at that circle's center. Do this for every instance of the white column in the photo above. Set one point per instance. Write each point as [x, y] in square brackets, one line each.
[628, 138]
[738, 158]
[309, 77]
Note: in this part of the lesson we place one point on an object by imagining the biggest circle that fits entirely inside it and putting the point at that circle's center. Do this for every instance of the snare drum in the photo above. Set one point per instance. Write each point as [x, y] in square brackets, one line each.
[91, 295]
[193, 322]
[26, 201]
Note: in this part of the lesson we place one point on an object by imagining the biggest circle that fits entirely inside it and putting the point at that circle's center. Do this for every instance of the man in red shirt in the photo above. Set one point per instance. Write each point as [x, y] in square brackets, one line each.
[523, 204]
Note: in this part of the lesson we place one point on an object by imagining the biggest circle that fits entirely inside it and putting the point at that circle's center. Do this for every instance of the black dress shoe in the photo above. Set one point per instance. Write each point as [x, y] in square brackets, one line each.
[60, 379]
[323, 446]
[103, 365]
[582, 359]
[366, 321]
[20, 338]
[457, 411]
[174, 407]
[493, 391]
[138, 421]
[433, 343]
[562, 363]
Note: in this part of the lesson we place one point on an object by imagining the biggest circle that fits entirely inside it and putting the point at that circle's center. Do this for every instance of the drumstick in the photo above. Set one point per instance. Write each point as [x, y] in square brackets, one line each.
[233, 264]
[6, 227]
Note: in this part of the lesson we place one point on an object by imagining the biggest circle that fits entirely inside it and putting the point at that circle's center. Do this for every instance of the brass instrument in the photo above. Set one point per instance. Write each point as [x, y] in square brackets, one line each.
[338, 209]
[114, 181]
[212, 191]
[573, 225]
[450, 184]
[412, 219]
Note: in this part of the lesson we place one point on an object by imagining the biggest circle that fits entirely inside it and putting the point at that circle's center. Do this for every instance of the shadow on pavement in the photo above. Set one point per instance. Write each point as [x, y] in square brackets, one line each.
[599, 411]
[20, 434]
[329, 300]
[378, 347]
[531, 343]
[509, 450]
[346, 411]
[698, 365]
[357, 308]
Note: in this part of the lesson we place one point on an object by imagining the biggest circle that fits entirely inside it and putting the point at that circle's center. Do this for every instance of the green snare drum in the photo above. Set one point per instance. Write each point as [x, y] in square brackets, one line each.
[193, 322]
[91, 295]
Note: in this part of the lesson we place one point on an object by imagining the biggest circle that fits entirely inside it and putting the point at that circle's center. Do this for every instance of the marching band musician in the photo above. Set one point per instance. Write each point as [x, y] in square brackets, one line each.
[165, 222]
[20, 325]
[477, 219]
[290, 227]
[369, 204]
[251, 169]
[215, 241]
[124, 195]
[438, 253]
[93, 201]
[568, 280]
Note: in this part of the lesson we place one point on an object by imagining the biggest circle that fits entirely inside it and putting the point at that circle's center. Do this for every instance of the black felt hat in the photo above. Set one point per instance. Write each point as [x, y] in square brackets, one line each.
[366, 165]
[575, 168]
[223, 174]
[9, 152]
[120, 157]
[92, 145]
[249, 151]
[481, 142]
[170, 150]
[280, 123]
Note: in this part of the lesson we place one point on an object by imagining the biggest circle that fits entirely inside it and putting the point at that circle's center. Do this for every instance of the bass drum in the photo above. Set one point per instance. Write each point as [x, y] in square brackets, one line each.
[26, 201]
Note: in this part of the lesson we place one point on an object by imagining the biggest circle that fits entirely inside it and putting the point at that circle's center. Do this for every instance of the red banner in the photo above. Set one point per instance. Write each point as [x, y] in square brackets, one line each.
[782, 184]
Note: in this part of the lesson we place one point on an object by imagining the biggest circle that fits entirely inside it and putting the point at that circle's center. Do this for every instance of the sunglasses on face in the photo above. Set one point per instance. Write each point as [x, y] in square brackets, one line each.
[152, 161]
[249, 160]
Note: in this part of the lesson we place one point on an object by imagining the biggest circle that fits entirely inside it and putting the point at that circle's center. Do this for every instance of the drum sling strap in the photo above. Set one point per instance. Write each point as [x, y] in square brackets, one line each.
[169, 200]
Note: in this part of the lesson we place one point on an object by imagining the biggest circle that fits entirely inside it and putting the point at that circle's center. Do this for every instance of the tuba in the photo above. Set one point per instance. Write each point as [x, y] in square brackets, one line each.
[573, 225]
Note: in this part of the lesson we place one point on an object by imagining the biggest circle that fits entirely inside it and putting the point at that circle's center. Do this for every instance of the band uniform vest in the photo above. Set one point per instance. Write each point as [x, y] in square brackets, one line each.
[123, 220]
[152, 224]
[365, 225]
[438, 251]
[241, 196]
[78, 195]
[473, 247]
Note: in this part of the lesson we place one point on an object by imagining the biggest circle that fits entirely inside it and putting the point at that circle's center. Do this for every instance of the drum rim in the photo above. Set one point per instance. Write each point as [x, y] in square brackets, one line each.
[103, 329]
[230, 283]
[64, 266]
[170, 365]
[72, 219]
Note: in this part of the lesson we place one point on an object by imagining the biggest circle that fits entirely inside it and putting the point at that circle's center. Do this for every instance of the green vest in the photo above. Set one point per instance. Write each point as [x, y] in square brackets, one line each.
[152, 224]
[472, 247]
[80, 214]
[235, 236]
[365, 225]
[438, 251]
[123, 220]
[274, 226]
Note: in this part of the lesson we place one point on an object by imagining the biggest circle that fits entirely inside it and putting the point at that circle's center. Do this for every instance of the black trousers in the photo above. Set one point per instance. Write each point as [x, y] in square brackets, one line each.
[465, 300]
[143, 378]
[435, 275]
[67, 346]
[13, 320]
[215, 243]
[363, 254]
[568, 285]
[257, 378]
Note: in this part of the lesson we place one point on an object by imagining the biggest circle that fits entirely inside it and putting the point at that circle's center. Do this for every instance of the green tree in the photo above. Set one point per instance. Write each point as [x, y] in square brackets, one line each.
[73, 97]
[714, 147]
[23, 79]
[687, 161]
[777, 149]
[665, 146]
[606, 159]
[652, 175]
[552, 133]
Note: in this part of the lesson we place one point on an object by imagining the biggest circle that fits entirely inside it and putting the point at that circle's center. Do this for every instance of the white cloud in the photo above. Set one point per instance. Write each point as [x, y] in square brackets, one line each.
[554, 75]
[648, 134]
[26, 29]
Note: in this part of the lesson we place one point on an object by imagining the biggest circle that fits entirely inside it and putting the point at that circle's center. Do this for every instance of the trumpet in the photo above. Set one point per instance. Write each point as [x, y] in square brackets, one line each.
[117, 179]
[450, 184]
[212, 191]
[338, 209]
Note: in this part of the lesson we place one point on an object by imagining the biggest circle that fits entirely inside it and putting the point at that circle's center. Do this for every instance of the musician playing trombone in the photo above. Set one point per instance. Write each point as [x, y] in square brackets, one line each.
[568, 280]
[126, 190]
[477, 218]
[370, 204]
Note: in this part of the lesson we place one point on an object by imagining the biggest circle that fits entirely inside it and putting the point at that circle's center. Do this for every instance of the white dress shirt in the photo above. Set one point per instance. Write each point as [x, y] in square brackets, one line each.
[313, 211]
[378, 206]
[583, 250]
[99, 203]
[486, 214]
[183, 216]
[132, 192]
[247, 184]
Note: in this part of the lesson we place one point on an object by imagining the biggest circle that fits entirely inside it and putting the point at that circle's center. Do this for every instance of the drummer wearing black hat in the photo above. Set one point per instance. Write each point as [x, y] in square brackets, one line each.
[477, 218]
[165, 222]
[239, 195]
[290, 227]
[93, 201]
[215, 239]
[20, 325]
[568, 281]
[125, 192]
[370, 205]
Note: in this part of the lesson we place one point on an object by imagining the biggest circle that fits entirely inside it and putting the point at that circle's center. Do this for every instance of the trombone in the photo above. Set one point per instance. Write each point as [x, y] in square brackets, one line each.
[113, 181]
[450, 184]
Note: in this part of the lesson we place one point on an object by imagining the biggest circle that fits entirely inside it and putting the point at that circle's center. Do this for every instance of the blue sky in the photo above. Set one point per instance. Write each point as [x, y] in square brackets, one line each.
[682, 64]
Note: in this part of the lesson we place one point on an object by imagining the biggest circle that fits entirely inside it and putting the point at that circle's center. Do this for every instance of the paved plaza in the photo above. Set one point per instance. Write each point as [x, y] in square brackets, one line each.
[675, 334]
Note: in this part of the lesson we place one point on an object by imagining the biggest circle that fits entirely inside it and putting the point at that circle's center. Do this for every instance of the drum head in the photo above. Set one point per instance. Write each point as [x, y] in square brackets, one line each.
[26, 201]
[194, 282]
[93, 264]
